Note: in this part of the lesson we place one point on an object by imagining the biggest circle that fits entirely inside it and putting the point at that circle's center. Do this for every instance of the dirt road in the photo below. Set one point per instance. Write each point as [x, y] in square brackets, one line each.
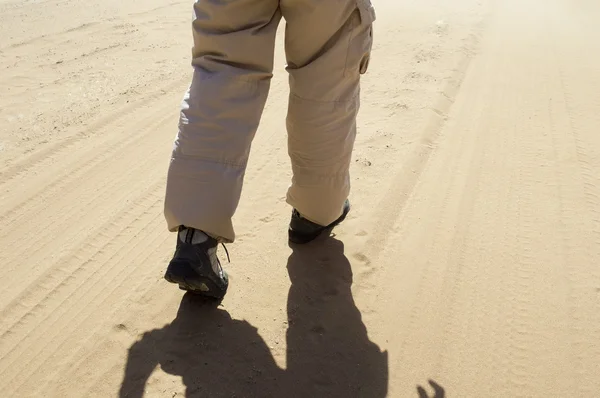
[471, 256]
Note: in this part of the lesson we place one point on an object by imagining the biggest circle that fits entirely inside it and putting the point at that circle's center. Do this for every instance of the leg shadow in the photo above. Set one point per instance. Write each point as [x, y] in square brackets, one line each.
[215, 355]
[329, 353]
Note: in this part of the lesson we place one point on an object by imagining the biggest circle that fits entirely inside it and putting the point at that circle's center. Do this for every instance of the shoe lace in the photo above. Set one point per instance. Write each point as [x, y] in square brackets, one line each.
[226, 252]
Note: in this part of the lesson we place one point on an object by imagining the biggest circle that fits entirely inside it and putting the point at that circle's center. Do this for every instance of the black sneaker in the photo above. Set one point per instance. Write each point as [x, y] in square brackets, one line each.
[303, 231]
[195, 266]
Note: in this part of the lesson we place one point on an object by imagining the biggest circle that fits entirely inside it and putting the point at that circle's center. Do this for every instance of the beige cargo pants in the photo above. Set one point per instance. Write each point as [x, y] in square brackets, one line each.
[327, 47]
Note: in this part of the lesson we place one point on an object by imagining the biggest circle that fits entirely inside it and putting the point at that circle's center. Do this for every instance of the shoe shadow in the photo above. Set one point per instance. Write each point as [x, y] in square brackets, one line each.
[328, 351]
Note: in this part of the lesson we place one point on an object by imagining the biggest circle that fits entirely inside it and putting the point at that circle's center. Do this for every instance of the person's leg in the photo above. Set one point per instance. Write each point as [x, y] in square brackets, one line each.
[328, 45]
[233, 63]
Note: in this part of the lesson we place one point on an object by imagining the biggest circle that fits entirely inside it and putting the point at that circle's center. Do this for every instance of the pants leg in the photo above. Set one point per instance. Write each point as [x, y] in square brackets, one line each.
[233, 62]
[328, 45]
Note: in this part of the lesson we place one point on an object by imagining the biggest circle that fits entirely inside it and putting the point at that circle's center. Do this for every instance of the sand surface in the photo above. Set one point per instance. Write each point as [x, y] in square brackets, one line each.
[471, 257]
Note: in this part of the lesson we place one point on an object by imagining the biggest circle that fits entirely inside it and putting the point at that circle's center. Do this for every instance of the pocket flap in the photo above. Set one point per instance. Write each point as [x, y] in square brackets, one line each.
[367, 11]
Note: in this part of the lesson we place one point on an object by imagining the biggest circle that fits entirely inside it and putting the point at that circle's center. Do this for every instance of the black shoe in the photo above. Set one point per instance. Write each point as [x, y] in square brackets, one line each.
[195, 266]
[303, 231]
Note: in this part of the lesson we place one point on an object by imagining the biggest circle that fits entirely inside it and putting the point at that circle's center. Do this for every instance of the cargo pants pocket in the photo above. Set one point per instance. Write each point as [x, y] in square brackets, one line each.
[361, 38]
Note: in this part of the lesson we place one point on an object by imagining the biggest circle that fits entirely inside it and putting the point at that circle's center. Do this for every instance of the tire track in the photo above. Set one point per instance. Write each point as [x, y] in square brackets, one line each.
[53, 280]
[82, 211]
[581, 242]
[64, 316]
[448, 242]
[43, 243]
[404, 182]
[81, 165]
[111, 250]
[41, 160]
[480, 224]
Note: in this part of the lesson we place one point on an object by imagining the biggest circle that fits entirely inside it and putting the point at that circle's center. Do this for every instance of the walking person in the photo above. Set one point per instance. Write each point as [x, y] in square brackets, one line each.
[327, 46]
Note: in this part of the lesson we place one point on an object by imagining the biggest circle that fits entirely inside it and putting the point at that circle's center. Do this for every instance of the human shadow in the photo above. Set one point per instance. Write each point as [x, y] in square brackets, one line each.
[215, 355]
[438, 390]
[329, 353]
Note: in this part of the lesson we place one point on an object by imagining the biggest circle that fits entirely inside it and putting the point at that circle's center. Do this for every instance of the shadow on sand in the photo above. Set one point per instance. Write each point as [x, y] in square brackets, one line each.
[328, 351]
[438, 391]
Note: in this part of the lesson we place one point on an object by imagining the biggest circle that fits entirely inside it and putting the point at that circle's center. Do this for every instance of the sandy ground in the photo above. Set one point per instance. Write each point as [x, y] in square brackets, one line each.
[471, 257]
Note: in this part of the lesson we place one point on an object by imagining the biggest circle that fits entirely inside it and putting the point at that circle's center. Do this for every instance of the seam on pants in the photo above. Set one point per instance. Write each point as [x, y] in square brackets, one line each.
[206, 75]
[323, 102]
[208, 160]
[327, 176]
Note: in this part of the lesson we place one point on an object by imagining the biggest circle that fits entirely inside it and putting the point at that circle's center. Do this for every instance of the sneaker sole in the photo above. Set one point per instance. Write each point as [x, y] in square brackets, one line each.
[179, 274]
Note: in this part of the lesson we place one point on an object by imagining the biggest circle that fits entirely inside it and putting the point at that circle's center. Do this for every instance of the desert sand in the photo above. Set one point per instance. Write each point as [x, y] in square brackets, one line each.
[471, 257]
